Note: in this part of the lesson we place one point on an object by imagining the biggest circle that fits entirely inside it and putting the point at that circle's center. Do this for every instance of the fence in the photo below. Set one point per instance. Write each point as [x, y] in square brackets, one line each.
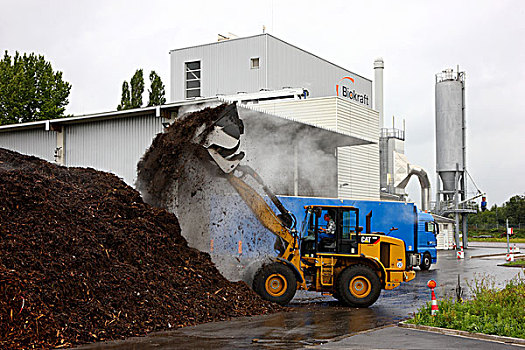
[494, 226]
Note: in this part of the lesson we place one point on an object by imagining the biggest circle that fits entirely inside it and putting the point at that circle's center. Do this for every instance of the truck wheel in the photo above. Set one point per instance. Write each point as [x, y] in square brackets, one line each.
[426, 261]
[358, 286]
[275, 282]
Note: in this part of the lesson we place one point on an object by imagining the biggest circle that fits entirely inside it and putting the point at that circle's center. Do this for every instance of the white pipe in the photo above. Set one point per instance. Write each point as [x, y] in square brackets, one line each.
[379, 67]
[424, 182]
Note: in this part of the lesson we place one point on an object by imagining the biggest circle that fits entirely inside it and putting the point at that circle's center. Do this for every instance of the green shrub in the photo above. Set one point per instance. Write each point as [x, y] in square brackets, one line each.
[490, 311]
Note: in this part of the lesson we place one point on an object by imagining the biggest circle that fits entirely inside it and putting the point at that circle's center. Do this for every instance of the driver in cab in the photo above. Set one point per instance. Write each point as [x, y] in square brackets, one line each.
[329, 231]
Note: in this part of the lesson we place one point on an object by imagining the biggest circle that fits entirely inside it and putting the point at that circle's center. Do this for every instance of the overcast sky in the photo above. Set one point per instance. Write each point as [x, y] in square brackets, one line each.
[99, 44]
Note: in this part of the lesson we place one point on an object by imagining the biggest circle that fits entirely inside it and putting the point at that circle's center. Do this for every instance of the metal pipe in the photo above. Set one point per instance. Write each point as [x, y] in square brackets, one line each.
[471, 198]
[464, 138]
[456, 205]
[507, 233]
[465, 230]
[379, 67]
[424, 182]
[438, 197]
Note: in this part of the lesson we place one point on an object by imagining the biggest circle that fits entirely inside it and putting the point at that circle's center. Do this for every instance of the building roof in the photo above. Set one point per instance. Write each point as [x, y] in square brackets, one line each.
[443, 219]
[330, 138]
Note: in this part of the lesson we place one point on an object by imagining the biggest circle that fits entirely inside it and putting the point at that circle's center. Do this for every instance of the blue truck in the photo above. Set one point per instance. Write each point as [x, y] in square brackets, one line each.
[396, 219]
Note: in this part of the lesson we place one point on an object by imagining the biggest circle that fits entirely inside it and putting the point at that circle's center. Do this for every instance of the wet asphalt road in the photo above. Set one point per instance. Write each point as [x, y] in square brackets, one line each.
[316, 319]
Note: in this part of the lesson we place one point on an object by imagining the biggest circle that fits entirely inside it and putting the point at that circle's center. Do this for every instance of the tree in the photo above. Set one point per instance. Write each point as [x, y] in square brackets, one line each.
[125, 100]
[137, 89]
[133, 98]
[156, 92]
[30, 89]
[513, 210]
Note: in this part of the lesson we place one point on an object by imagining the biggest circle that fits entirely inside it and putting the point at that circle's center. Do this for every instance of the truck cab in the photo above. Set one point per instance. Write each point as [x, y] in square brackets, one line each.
[426, 239]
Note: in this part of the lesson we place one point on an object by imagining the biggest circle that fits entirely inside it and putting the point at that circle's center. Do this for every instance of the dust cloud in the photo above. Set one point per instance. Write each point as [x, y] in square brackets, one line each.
[180, 176]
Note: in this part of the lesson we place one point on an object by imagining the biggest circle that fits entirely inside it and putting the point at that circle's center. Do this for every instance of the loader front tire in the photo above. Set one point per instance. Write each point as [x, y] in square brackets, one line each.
[275, 282]
[358, 286]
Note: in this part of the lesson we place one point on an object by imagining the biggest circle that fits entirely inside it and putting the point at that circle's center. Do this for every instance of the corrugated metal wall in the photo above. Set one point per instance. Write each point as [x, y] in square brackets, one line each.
[114, 145]
[318, 111]
[358, 166]
[225, 69]
[35, 142]
[357, 120]
[293, 67]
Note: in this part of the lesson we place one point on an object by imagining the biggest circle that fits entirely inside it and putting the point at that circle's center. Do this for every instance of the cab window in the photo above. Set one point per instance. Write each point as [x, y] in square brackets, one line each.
[430, 227]
[349, 224]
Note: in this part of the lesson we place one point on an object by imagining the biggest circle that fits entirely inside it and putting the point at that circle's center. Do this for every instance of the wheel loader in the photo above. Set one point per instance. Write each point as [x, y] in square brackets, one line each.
[351, 265]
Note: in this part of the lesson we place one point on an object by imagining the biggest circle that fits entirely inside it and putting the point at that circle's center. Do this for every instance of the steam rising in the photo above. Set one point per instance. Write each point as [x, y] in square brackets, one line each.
[273, 145]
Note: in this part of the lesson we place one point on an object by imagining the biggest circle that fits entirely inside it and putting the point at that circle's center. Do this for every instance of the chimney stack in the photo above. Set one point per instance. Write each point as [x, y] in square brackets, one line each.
[379, 67]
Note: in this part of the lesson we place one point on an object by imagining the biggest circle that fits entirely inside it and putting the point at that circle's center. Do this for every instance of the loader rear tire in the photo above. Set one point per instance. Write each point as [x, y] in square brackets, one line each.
[358, 286]
[275, 282]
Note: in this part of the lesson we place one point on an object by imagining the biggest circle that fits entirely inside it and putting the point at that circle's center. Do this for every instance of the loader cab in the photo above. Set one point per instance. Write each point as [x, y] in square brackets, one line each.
[315, 237]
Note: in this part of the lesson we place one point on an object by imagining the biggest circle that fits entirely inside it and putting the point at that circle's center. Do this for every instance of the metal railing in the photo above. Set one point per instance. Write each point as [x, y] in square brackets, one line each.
[393, 133]
[494, 226]
[450, 205]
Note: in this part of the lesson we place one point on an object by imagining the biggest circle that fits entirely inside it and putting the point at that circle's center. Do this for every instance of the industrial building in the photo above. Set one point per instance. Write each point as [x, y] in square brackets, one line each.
[282, 87]
[267, 75]
[260, 63]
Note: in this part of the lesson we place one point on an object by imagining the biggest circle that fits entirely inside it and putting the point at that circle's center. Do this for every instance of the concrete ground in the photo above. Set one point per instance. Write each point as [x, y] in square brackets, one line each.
[403, 338]
[316, 320]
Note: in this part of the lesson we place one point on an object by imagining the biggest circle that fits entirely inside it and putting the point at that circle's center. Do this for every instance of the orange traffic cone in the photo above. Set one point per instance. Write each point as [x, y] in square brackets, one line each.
[434, 309]
[461, 254]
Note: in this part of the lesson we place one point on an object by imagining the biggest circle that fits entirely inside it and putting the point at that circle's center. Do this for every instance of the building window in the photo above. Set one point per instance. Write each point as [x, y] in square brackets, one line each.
[254, 63]
[193, 79]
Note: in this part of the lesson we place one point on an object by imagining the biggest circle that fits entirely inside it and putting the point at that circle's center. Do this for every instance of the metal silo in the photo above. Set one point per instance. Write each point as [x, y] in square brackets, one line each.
[450, 129]
[451, 164]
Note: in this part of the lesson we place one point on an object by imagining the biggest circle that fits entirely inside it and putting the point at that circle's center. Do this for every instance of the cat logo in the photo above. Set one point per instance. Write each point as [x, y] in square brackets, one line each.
[369, 239]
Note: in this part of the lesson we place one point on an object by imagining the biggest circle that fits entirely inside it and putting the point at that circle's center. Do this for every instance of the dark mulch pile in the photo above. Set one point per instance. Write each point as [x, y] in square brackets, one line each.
[83, 259]
[164, 162]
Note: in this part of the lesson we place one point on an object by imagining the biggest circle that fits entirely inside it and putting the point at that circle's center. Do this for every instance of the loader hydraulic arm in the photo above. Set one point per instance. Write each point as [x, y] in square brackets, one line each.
[258, 205]
[222, 140]
[285, 216]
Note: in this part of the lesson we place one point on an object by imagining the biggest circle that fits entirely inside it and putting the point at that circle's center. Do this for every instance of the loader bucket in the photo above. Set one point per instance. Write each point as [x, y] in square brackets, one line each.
[222, 139]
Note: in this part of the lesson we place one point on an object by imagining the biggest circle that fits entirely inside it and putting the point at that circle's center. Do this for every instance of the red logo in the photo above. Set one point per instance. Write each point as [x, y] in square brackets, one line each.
[342, 81]
[344, 89]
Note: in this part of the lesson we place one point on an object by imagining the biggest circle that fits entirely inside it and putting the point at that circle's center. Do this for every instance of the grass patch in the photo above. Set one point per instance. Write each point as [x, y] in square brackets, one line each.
[518, 262]
[490, 311]
[494, 239]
